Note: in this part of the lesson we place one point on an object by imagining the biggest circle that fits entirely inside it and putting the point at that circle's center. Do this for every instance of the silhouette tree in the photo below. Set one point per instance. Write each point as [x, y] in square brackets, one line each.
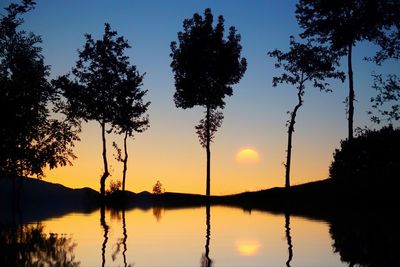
[30, 139]
[104, 86]
[303, 63]
[388, 89]
[205, 67]
[388, 92]
[342, 24]
[130, 113]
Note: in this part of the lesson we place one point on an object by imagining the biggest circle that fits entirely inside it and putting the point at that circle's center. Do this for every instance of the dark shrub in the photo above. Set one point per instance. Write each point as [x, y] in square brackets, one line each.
[370, 159]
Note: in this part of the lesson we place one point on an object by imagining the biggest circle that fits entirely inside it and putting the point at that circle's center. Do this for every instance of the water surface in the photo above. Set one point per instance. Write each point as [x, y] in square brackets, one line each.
[201, 236]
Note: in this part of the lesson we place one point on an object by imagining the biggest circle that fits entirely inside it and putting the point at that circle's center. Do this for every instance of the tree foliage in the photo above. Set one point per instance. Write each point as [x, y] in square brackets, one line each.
[30, 138]
[206, 66]
[386, 102]
[303, 63]
[130, 116]
[343, 23]
[216, 118]
[105, 88]
[370, 160]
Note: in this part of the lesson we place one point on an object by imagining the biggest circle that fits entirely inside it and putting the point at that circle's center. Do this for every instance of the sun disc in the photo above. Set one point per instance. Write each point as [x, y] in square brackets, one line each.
[247, 156]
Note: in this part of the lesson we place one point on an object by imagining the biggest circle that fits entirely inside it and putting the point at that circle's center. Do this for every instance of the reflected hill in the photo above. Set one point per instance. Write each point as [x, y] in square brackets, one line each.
[39, 200]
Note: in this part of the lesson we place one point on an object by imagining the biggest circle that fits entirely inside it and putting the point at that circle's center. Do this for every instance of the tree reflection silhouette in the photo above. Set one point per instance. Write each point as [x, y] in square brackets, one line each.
[105, 228]
[366, 239]
[125, 238]
[288, 238]
[205, 260]
[157, 212]
[28, 245]
[121, 241]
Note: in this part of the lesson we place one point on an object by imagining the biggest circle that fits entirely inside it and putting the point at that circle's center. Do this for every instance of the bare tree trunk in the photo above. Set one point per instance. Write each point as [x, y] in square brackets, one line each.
[125, 162]
[106, 173]
[290, 133]
[351, 92]
[208, 151]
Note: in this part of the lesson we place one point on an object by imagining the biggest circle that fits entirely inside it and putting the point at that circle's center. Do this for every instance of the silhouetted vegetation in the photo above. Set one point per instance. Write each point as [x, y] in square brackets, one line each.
[28, 245]
[303, 63]
[30, 139]
[368, 239]
[130, 113]
[158, 188]
[113, 187]
[106, 89]
[386, 102]
[342, 24]
[370, 161]
[205, 67]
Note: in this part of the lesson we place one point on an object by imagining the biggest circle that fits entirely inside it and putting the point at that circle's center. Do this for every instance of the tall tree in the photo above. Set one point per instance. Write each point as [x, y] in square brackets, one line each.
[30, 139]
[205, 67]
[303, 63]
[130, 113]
[342, 24]
[100, 72]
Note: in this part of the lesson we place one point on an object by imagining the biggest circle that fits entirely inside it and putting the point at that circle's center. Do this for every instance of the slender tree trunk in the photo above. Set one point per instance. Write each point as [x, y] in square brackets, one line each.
[106, 173]
[351, 92]
[208, 150]
[125, 162]
[290, 133]
[288, 239]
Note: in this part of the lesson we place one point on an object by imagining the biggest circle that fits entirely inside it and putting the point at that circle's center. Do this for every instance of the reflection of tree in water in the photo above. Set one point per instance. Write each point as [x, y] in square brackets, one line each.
[157, 212]
[205, 260]
[122, 241]
[288, 239]
[28, 245]
[105, 235]
[367, 239]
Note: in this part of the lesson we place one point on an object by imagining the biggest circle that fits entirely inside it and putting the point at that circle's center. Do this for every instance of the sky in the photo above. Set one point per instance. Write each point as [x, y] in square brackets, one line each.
[255, 116]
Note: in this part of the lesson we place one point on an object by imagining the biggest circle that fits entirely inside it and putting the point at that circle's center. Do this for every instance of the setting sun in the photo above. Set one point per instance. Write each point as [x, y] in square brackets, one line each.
[247, 156]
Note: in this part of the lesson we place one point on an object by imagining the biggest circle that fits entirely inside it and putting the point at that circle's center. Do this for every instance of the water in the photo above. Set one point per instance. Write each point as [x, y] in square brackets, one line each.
[201, 236]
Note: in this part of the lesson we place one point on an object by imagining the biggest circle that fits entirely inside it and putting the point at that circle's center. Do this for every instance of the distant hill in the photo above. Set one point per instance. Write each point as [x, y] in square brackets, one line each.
[40, 199]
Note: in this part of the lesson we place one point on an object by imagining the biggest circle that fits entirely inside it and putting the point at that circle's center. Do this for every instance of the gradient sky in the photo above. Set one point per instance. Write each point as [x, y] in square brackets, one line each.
[255, 115]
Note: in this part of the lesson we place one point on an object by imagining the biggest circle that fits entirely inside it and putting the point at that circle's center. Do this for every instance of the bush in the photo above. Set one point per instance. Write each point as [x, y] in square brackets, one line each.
[372, 158]
[114, 187]
[157, 188]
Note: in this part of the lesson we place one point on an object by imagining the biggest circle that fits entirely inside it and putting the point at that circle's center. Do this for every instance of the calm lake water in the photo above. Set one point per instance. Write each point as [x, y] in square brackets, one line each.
[202, 236]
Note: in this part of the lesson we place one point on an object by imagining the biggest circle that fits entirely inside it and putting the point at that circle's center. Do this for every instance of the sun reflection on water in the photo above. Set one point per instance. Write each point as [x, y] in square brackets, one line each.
[248, 247]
